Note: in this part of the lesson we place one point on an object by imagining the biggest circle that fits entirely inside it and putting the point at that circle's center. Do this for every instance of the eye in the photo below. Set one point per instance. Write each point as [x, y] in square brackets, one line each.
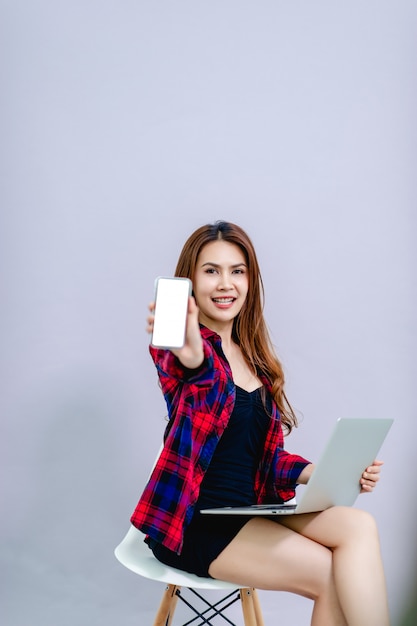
[239, 270]
[210, 270]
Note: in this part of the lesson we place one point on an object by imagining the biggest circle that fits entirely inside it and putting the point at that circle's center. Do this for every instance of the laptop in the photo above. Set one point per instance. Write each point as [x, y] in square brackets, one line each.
[352, 446]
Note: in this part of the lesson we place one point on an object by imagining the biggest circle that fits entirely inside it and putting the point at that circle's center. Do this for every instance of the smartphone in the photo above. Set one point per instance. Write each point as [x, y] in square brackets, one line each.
[171, 305]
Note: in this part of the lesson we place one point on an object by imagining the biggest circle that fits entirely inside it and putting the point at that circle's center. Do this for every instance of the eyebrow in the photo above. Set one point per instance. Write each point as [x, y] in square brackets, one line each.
[218, 265]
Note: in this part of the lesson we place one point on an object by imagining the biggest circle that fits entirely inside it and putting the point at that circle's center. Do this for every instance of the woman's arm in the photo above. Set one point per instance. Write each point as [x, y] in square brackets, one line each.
[305, 475]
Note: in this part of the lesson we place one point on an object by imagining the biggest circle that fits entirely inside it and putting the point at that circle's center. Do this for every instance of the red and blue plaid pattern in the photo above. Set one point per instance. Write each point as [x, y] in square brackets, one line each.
[199, 404]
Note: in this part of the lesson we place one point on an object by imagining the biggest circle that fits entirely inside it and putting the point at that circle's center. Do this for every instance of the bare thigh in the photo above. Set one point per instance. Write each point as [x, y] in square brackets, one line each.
[268, 555]
[331, 527]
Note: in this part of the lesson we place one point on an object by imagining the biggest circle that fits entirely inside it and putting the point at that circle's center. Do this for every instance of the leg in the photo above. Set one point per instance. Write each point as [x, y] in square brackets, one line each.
[167, 607]
[250, 615]
[353, 537]
[257, 607]
[267, 555]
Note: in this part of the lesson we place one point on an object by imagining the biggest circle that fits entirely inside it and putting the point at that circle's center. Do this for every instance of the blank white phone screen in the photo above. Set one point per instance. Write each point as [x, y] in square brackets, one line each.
[171, 304]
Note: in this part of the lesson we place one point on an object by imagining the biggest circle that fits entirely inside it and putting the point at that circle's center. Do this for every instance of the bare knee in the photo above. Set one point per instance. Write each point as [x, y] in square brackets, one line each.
[360, 521]
[355, 524]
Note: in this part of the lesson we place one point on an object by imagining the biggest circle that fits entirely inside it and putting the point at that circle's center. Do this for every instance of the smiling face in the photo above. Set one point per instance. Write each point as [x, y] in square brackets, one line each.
[221, 284]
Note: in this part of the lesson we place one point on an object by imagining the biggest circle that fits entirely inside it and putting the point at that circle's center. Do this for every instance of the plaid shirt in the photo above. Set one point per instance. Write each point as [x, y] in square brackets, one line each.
[200, 403]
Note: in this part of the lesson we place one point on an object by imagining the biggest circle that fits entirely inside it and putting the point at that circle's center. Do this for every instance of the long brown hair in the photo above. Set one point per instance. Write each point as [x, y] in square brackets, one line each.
[249, 328]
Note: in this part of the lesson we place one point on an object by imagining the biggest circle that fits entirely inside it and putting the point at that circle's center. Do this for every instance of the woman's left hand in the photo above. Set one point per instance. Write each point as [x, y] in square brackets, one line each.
[370, 477]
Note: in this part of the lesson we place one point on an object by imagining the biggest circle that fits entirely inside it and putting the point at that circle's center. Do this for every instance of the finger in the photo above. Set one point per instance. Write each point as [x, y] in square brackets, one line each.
[192, 306]
[372, 470]
[375, 467]
[149, 323]
[365, 481]
[368, 485]
[372, 476]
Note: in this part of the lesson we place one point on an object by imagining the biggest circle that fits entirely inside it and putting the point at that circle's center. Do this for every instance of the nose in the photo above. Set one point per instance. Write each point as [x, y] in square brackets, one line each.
[225, 282]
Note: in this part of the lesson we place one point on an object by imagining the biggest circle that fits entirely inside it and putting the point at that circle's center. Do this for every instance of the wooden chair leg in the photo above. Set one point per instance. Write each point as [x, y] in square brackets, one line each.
[173, 606]
[248, 608]
[167, 607]
[257, 608]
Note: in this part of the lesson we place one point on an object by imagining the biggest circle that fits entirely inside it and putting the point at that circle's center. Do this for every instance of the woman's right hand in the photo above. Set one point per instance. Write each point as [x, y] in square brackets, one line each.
[191, 354]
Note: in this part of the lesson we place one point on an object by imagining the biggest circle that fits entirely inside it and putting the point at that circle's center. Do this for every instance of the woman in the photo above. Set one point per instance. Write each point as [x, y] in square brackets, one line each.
[227, 412]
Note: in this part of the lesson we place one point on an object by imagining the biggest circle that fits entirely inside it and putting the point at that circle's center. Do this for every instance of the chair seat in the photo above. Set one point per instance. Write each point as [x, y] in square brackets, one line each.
[133, 553]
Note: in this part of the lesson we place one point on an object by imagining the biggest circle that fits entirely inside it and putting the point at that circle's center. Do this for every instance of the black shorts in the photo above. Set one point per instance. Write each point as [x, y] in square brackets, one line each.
[204, 539]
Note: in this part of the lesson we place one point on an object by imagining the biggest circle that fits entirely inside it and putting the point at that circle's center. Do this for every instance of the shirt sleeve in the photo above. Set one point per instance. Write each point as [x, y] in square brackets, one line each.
[169, 366]
[287, 468]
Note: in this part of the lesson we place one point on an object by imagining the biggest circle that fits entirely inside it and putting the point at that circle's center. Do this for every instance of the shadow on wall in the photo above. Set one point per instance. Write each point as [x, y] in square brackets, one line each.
[409, 618]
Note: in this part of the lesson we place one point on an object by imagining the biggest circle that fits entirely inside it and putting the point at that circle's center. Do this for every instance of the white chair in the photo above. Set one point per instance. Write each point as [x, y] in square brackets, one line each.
[134, 554]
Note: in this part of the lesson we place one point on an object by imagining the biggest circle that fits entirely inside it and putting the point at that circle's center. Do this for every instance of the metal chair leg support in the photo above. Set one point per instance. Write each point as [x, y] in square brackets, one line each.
[251, 609]
[214, 610]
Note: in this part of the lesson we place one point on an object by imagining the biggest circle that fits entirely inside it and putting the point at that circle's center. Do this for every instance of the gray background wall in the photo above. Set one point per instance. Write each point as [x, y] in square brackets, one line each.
[124, 126]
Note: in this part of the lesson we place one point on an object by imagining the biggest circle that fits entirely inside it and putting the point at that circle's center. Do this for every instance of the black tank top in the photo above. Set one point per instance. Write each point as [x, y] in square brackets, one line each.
[230, 477]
